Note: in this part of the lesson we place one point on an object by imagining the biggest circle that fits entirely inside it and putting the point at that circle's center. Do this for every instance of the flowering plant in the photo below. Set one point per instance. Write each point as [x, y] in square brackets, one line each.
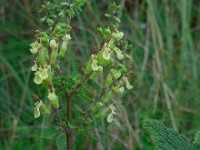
[108, 61]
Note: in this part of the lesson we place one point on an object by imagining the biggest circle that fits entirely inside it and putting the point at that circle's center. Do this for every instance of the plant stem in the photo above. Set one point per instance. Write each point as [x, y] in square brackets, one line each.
[69, 135]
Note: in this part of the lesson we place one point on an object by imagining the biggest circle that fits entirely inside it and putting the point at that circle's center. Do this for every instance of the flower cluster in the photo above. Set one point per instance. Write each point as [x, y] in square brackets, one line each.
[46, 52]
[110, 56]
[52, 44]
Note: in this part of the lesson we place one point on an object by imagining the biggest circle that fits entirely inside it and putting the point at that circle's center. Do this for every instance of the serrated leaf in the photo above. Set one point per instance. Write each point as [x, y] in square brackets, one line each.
[165, 138]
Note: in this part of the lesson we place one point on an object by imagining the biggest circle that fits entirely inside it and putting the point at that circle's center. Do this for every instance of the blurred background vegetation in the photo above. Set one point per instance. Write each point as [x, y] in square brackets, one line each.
[165, 54]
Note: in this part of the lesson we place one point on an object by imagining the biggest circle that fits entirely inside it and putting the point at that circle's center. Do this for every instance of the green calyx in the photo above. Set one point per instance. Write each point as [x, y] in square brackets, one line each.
[53, 98]
[53, 57]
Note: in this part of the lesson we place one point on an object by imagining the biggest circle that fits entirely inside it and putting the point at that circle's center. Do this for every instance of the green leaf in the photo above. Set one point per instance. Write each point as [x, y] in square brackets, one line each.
[197, 138]
[165, 138]
[85, 97]
[70, 125]
[50, 132]
[61, 141]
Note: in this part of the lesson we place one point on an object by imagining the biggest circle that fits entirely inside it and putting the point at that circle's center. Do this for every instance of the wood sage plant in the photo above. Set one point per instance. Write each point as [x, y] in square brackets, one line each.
[107, 61]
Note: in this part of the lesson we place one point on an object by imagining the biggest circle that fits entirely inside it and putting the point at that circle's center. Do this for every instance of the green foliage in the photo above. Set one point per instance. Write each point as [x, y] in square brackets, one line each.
[60, 141]
[50, 132]
[167, 139]
[164, 37]
[197, 138]
[51, 45]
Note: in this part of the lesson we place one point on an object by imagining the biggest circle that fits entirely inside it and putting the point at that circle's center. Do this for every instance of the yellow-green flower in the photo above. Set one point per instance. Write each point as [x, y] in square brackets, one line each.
[53, 98]
[41, 74]
[95, 67]
[121, 89]
[34, 67]
[37, 109]
[44, 73]
[53, 44]
[106, 54]
[128, 85]
[111, 115]
[119, 53]
[118, 35]
[94, 64]
[116, 73]
[118, 89]
[37, 78]
[35, 47]
[66, 37]
[63, 47]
